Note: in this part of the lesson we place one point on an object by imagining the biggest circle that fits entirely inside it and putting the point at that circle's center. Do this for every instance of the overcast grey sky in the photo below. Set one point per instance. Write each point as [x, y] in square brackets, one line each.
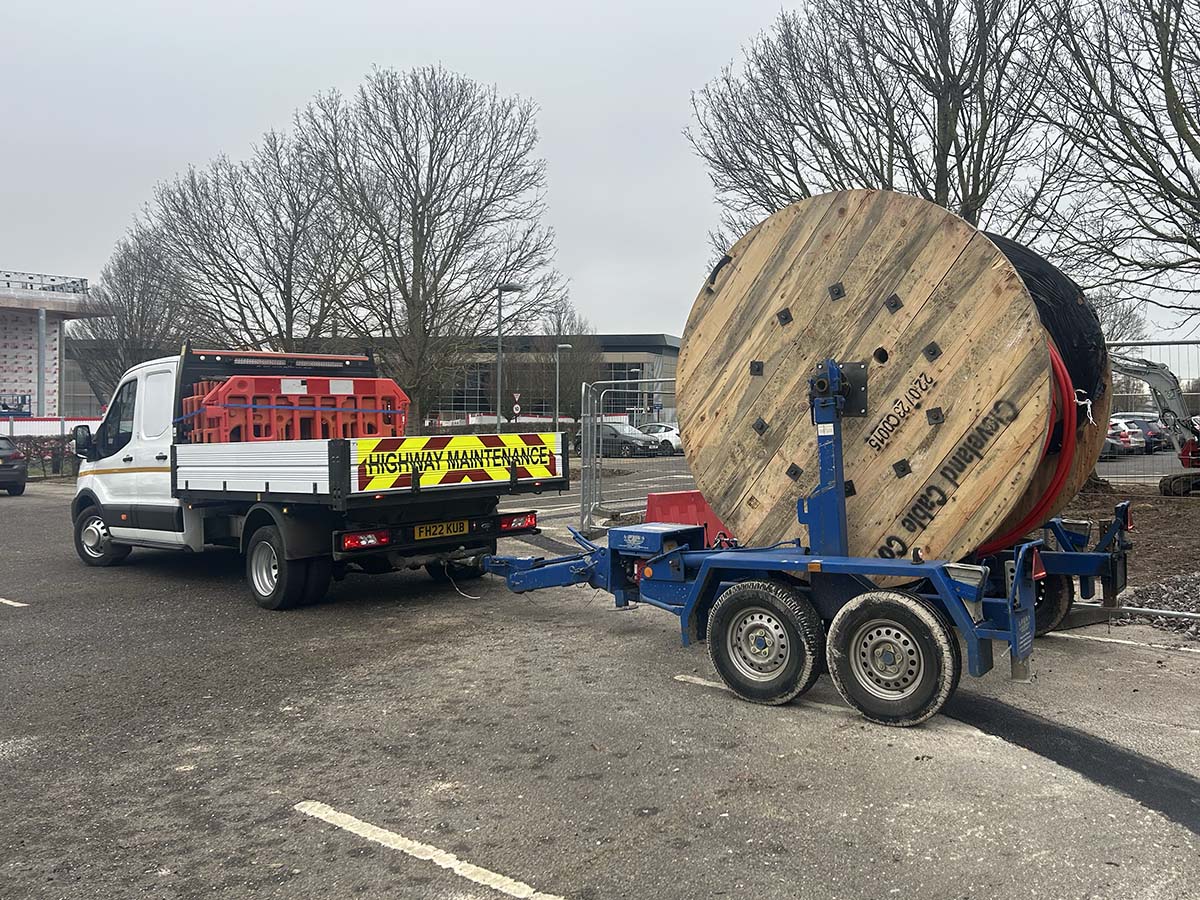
[98, 101]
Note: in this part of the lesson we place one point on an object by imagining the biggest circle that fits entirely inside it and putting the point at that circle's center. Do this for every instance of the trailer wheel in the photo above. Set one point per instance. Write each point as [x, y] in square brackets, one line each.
[766, 641]
[93, 543]
[1055, 594]
[276, 581]
[893, 657]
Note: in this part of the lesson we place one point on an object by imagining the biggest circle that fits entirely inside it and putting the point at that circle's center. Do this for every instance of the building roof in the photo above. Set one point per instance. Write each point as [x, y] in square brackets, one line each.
[609, 343]
[60, 295]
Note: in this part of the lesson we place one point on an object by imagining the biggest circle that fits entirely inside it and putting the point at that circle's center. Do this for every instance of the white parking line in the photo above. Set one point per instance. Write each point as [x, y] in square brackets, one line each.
[1108, 640]
[12, 602]
[427, 852]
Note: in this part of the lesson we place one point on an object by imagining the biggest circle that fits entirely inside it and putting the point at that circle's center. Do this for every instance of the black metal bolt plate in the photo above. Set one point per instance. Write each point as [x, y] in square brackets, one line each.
[849, 488]
[759, 425]
[902, 468]
[935, 416]
[794, 471]
[784, 316]
[836, 291]
[932, 351]
[893, 303]
[756, 367]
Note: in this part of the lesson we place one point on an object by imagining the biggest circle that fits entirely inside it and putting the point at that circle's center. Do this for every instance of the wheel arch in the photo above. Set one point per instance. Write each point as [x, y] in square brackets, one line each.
[305, 533]
[83, 500]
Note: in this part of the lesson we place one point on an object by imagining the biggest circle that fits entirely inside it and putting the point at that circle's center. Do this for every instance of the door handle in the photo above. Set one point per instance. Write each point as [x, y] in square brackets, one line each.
[161, 457]
[126, 459]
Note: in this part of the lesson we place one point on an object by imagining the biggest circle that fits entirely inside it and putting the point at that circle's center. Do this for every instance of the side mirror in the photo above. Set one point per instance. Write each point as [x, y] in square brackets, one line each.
[82, 435]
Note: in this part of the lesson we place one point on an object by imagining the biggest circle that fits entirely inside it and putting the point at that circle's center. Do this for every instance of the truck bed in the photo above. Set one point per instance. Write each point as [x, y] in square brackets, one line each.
[349, 472]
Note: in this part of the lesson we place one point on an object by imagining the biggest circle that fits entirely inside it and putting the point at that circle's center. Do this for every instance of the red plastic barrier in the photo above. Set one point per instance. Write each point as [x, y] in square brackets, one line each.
[265, 408]
[686, 508]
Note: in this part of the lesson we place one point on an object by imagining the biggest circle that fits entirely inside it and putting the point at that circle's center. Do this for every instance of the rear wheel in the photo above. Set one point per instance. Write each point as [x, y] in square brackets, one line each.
[16, 490]
[93, 543]
[1052, 601]
[766, 641]
[666, 448]
[893, 657]
[276, 581]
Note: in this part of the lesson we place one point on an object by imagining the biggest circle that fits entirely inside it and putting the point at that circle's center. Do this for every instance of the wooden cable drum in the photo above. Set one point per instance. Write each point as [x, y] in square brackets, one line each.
[974, 349]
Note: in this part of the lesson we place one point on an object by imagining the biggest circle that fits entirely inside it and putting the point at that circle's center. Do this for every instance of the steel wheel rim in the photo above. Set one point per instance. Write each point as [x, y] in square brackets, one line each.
[886, 659]
[94, 537]
[757, 644]
[264, 569]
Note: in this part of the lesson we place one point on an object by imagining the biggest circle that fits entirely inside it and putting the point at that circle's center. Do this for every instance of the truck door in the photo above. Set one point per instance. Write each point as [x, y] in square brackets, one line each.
[155, 510]
[114, 472]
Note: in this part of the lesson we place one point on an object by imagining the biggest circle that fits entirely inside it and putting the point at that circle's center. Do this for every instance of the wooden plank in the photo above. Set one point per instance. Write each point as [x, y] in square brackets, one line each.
[990, 378]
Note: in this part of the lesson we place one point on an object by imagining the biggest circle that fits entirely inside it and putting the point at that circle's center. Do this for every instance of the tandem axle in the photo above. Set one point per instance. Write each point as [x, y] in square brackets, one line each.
[776, 617]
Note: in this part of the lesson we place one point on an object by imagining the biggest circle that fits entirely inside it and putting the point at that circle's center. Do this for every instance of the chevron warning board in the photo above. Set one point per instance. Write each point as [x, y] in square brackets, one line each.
[383, 463]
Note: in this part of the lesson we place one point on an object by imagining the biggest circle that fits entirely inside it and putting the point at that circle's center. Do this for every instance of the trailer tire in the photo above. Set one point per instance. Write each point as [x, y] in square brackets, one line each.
[316, 580]
[276, 581]
[1055, 595]
[766, 641]
[93, 543]
[893, 657]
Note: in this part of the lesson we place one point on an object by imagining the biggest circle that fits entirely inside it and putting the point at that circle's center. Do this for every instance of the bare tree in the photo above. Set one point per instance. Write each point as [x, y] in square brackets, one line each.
[1121, 317]
[440, 174]
[137, 310]
[267, 255]
[1127, 97]
[932, 97]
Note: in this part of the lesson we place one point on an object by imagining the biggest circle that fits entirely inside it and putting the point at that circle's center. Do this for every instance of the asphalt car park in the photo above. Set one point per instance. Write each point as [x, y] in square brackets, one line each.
[164, 737]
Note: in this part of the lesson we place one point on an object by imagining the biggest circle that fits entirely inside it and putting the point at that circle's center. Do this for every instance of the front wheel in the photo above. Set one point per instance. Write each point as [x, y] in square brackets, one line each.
[626, 451]
[893, 657]
[16, 490]
[93, 543]
[276, 581]
[766, 641]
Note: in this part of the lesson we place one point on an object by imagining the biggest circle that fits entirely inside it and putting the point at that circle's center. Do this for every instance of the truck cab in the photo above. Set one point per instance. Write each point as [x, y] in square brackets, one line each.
[308, 486]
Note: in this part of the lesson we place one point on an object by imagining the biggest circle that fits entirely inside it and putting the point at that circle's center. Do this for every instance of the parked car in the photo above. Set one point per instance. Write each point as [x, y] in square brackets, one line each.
[667, 436]
[1152, 430]
[14, 468]
[1129, 435]
[1112, 448]
[622, 440]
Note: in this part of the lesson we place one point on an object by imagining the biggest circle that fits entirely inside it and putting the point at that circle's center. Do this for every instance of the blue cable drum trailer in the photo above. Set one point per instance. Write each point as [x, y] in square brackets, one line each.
[776, 617]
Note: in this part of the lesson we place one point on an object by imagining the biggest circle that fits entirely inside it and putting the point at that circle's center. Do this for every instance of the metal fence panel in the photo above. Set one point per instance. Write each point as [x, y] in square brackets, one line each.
[612, 484]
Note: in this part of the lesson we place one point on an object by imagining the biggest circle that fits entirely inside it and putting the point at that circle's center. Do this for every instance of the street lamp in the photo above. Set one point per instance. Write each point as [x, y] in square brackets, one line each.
[557, 347]
[507, 287]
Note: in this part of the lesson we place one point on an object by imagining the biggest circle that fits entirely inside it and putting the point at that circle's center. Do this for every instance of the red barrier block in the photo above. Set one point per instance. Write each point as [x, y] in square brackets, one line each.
[686, 508]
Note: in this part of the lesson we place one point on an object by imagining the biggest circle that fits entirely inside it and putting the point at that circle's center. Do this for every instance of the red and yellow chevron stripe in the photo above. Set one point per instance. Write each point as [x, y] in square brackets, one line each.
[383, 463]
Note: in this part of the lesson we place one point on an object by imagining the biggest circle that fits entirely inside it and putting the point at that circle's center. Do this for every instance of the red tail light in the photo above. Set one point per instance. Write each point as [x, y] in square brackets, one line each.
[363, 540]
[17, 455]
[519, 521]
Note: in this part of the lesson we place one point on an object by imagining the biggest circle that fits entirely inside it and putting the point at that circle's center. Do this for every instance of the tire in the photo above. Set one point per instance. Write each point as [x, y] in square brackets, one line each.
[626, 451]
[1055, 594]
[275, 581]
[16, 490]
[886, 687]
[316, 580]
[459, 570]
[93, 544]
[666, 449]
[774, 619]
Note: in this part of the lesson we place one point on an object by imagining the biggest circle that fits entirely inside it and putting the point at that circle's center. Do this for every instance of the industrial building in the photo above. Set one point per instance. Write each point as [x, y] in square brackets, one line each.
[33, 310]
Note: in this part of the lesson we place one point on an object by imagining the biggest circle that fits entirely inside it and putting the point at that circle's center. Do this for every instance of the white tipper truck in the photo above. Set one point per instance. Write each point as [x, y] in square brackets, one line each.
[300, 511]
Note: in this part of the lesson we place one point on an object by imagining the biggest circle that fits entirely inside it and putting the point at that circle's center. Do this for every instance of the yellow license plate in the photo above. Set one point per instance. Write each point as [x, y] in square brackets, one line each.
[441, 529]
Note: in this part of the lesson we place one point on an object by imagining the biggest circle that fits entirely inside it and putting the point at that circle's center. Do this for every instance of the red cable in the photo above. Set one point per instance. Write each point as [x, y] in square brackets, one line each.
[1066, 456]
